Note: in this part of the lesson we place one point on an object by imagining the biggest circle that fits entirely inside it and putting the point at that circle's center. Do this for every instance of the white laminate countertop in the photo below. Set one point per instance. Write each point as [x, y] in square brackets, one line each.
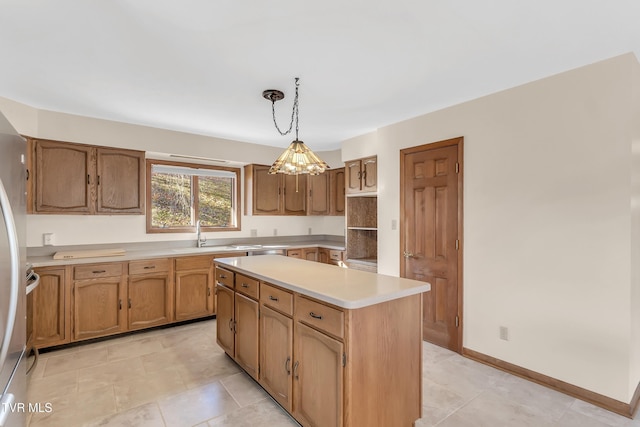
[342, 287]
[165, 252]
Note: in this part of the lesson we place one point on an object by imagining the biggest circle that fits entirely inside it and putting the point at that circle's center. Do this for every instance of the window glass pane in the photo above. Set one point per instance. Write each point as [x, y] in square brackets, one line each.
[215, 202]
[170, 200]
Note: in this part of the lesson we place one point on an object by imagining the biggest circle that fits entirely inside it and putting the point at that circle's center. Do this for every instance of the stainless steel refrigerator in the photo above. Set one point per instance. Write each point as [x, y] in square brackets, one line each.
[13, 175]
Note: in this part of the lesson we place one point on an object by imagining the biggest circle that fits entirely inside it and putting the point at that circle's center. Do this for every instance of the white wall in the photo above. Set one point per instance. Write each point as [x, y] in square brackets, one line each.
[634, 356]
[547, 220]
[92, 229]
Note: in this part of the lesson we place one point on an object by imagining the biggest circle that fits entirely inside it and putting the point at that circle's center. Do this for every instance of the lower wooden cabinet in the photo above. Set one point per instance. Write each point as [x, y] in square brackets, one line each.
[50, 322]
[150, 293]
[276, 353]
[310, 254]
[194, 287]
[98, 307]
[225, 336]
[317, 376]
[246, 331]
[237, 320]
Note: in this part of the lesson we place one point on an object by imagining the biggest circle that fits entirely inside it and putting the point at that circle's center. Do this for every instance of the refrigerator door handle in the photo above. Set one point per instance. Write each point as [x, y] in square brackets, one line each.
[14, 250]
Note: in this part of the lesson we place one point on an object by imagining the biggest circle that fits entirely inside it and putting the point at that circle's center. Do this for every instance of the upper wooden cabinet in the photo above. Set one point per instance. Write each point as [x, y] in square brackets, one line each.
[83, 179]
[319, 195]
[362, 175]
[277, 194]
[337, 191]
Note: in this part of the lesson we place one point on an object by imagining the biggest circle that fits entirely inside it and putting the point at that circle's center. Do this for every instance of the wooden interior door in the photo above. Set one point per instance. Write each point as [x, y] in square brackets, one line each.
[431, 224]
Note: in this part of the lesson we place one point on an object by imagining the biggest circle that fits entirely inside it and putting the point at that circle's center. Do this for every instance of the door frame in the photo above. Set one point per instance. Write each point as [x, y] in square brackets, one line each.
[459, 143]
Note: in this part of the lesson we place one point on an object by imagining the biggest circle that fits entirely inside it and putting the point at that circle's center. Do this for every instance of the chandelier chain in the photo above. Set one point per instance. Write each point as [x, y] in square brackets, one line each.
[294, 114]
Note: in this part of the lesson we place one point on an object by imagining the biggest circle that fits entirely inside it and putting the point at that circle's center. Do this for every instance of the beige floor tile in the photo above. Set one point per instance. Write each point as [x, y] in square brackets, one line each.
[575, 419]
[264, 413]
[133, 348]
[492, 410]
[48, 388]
[109, 373]
[196, 405]
[75, 409]
[147, 388]
[66, 362]
[244, 390]
[604, 416]
[218, 366]
[142, 416]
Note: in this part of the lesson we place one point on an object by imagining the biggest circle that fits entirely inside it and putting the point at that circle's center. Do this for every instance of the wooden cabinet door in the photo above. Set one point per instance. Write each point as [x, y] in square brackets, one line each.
[120, 181]
[98, 307]
[276, 351]
[267, 191]
[149, 300]
[295, 195]
[317, 378]
[246, 329]
[310, 254]
[352, 176]
[194, 296]
[369, 174]
[224, 320]
[323, 255]
[337, 192]
[50, 309]
[63, 175]
[319, 189]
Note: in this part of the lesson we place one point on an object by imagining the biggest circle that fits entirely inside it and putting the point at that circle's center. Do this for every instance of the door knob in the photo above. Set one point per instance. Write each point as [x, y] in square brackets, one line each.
[408, 254]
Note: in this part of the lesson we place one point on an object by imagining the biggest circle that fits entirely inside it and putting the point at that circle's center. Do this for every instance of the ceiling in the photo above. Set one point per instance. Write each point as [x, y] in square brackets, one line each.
[200, 66]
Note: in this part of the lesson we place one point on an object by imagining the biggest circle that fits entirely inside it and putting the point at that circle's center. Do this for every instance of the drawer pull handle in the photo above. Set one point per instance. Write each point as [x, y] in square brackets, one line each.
[272, 298]
[149, 267]
[295, 369]
[244, 285]
[231, 324]
[222, 276]
[208, 292]
[286, 366]
[99, 271]
[129, 302]
[119, 304]
[315, 316]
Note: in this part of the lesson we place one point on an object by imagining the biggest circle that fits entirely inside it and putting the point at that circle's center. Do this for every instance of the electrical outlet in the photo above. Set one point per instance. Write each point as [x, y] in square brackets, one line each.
[254, 232]
[47, 239]
[394, 224]
[504, 333]
[275, 231]
[310, 231]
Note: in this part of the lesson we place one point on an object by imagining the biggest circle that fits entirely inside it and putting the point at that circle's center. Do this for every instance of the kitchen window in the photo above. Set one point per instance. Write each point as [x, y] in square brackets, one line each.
[180, 194]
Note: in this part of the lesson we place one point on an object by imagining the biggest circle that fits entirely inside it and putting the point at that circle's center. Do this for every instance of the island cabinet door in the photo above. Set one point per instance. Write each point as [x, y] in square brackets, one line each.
[317, 378]
[246, 329]
[224, 320]
[276, 351]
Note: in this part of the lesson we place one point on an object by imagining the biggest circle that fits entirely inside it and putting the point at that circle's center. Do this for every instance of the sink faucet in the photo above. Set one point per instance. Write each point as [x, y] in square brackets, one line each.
[200, 241]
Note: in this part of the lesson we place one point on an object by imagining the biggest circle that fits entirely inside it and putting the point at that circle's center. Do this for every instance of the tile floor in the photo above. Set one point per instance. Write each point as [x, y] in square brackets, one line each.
[179, 377]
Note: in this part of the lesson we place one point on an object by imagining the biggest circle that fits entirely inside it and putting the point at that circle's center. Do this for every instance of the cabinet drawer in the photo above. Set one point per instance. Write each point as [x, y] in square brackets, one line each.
[335, 255]
[224, 277]
[276, 298]
[294, 253]
[149, 266]
[97, 271]
[193, 262]
[247, 285]
[320, 316]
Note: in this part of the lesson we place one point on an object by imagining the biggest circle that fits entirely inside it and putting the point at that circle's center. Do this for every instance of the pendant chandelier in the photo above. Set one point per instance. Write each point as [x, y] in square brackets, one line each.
[297, 159]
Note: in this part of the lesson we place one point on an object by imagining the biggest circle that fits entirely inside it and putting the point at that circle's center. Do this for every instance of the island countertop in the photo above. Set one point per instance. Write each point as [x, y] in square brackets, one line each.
[342, 287]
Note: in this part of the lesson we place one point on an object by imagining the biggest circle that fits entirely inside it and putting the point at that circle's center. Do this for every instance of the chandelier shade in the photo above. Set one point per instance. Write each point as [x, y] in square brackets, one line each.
[297, 159]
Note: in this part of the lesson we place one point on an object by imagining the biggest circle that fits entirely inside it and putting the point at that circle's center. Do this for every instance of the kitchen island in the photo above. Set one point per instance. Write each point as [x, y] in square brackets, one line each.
[333, 346]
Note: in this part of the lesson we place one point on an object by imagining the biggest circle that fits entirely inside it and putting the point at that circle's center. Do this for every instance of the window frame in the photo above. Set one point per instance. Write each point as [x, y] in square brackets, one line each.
[194, 202]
